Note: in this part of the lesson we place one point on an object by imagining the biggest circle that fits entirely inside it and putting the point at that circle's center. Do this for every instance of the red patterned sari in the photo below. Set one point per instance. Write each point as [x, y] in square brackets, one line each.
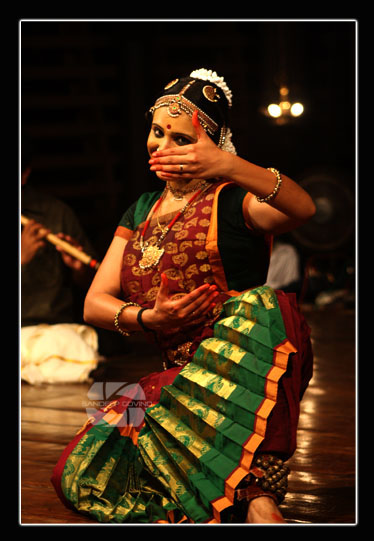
[229, 388]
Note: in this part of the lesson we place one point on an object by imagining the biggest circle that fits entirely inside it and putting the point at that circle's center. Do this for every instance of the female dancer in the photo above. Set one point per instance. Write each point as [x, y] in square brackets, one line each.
[187, 267]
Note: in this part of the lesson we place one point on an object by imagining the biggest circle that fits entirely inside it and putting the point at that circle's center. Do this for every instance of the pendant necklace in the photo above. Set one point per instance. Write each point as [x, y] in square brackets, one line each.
[153, 253]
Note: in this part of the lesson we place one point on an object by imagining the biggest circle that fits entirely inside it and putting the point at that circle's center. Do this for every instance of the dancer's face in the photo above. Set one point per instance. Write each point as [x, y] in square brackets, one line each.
[168, 132]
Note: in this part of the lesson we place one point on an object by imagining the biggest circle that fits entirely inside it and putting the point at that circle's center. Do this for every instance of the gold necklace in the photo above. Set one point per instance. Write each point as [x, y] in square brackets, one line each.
[153, 253]
[179, 193]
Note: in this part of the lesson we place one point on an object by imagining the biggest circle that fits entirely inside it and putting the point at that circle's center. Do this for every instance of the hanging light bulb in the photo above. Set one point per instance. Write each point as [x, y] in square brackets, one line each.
[274, 110]
[283, 110]
[297, 109]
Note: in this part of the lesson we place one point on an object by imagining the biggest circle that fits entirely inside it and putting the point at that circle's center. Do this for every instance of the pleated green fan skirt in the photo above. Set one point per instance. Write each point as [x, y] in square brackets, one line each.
[197, 443]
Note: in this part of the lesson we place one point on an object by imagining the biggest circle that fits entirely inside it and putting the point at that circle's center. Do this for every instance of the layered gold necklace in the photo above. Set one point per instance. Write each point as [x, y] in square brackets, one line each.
[153, 253]
[180, 193]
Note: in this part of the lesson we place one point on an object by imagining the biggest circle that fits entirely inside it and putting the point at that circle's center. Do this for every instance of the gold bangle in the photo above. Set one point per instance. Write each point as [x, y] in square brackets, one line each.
[116, 317]
[276, 189]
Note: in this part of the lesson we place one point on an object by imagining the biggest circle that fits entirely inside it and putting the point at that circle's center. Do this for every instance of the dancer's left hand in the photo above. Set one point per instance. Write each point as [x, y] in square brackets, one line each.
[172, 315]
[202, 159]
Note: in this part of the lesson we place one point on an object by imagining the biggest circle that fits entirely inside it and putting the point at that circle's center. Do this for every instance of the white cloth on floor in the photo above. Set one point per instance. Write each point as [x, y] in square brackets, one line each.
[60, 353]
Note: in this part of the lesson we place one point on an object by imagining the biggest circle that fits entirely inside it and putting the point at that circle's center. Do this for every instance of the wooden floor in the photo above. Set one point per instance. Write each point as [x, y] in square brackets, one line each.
[323, 479]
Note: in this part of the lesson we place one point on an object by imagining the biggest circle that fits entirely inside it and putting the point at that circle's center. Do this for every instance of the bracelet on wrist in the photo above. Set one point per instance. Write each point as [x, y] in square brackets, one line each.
[118, 313]
[141, 322]
[276, 189]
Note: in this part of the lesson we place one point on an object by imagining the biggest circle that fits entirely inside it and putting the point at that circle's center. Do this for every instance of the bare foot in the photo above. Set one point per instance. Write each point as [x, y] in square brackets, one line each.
[263, 510]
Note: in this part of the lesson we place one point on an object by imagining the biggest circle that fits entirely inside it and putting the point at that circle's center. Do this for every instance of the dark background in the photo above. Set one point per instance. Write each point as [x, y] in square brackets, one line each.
[85, 87]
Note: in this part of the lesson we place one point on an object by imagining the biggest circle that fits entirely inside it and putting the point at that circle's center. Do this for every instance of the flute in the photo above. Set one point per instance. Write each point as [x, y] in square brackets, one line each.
[67, 247]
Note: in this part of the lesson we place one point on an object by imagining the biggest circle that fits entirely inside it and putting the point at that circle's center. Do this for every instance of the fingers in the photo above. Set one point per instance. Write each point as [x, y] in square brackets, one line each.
[32, 239]
[171, 163]
[70, 240]
[199, 302]
[164, 288]
[202, 306]
[193, 297]
[35, 229]
[175, 168]
[34, 233]
[172, 151]
[192, 308]
[196, 124]
[193, 305]
[182, 161]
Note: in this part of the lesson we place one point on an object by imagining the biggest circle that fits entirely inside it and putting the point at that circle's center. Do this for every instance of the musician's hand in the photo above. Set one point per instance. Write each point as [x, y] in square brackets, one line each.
[32, 237]
[169, 314]
[69, 260]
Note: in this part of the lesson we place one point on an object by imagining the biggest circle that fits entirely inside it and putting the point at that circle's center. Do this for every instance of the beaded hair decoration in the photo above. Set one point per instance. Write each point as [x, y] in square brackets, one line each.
[178, 102]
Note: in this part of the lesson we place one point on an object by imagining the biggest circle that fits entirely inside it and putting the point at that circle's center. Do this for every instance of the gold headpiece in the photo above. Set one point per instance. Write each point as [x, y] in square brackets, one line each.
[176, 103]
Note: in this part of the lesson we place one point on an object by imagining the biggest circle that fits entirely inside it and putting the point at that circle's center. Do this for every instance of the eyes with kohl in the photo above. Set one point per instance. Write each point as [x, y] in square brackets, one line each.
[167, 133]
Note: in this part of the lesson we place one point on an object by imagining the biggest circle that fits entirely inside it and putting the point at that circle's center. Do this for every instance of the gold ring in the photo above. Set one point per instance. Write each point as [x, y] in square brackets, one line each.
[181, 168]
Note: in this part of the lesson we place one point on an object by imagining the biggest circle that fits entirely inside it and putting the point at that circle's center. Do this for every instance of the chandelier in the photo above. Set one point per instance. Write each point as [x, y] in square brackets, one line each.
[284, 110]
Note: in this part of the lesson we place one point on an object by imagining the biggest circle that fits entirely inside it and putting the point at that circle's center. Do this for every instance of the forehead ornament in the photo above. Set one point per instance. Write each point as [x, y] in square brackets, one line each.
[174, 108]
[176, 103]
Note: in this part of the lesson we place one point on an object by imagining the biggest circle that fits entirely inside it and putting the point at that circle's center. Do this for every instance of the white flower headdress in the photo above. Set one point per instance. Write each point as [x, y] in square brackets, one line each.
[212, 77]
